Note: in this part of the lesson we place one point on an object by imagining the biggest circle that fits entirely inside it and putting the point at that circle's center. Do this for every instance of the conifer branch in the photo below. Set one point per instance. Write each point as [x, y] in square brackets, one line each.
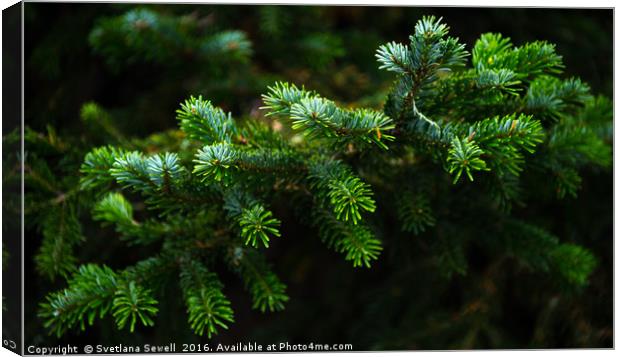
[257, 223]
[62, 231]
[207, 307]
[268, 292]
[527, 61]
[356, 242]
[201, 121]
[90, 294]
[317, 117]
[414, 212]
[96, 165]
[132, 303]
[543, 251]
[212, 184]
[464, 156]
[346, 193]
[94, 291]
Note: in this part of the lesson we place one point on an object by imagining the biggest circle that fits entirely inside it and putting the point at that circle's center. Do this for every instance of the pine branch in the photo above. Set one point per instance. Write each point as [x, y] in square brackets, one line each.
[501, 79]
[257, 223]
[548, 98]
[268, 292]
[542, 251]
[132, 303]
[317, 117]
[164, 170]
[281, 97]
[213, 162]
[414, 212]
[207, 306]
[226, 163]
[62, 231]
[114, 208]
[201, 121]
[500, 141]
[152, 272]
[347, 194]
[528, 61]
[464, 156]
[357, 242]
[429, 54]
[131, 171]
[569, 149]
[395, 57]
[254, 221]
[90, 294]
[96, 165]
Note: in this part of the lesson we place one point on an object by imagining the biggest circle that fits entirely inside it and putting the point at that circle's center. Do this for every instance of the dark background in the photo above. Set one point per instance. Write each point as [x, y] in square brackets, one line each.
[399, 303]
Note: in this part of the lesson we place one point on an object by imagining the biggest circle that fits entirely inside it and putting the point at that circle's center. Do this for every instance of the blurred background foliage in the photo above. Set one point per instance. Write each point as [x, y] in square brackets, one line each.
[78, 54]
